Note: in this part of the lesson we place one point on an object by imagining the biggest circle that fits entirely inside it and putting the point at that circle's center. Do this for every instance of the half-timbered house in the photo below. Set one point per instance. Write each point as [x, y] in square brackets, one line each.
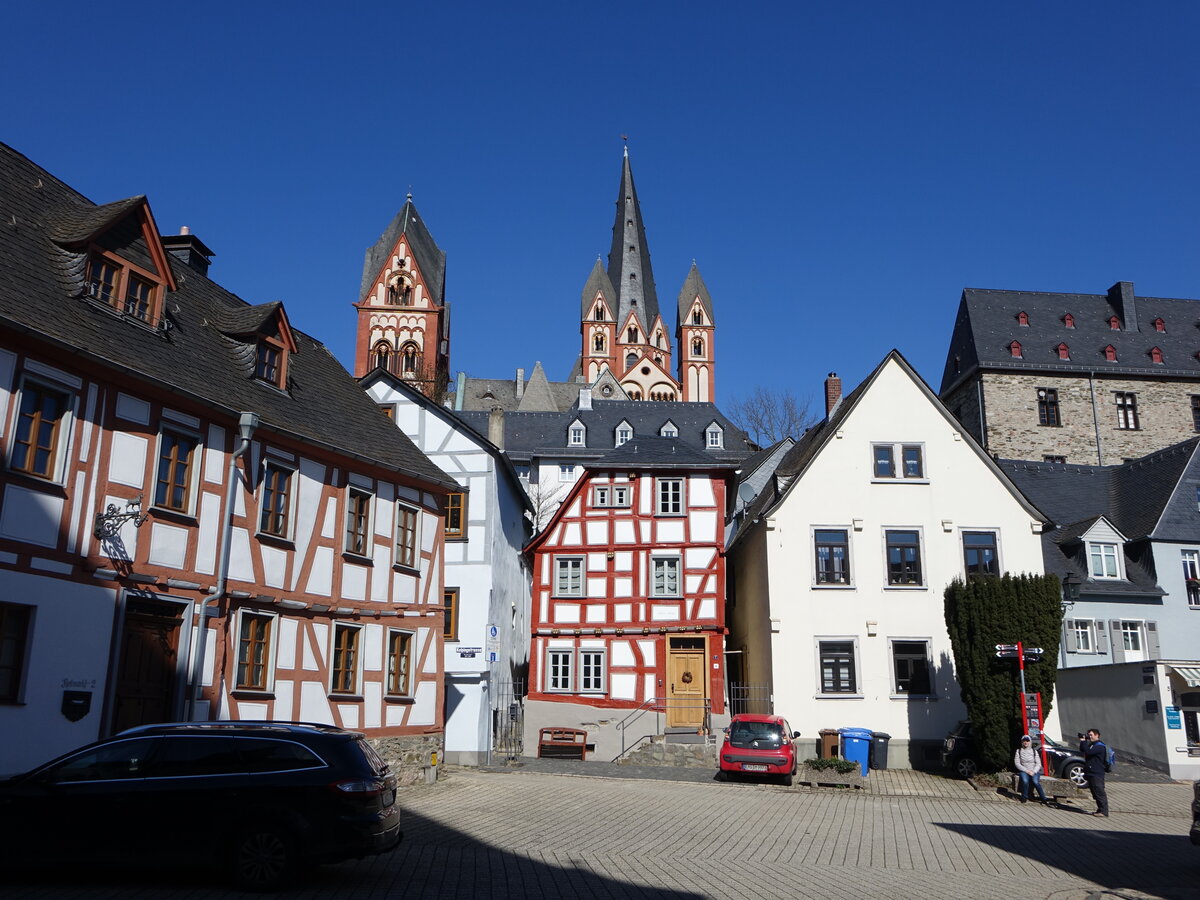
[201, 513]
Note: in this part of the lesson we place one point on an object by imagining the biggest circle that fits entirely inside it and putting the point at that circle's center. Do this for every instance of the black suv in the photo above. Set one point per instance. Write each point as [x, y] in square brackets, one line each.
[958, 755]
[263, 798]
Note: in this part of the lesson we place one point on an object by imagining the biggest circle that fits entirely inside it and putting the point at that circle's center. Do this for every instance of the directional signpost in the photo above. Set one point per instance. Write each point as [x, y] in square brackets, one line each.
[1031, 704]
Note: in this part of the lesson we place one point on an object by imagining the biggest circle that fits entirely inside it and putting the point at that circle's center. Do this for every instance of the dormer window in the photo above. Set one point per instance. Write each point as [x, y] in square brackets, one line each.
[1103, 560]
[273, 346]
[120, 287]
[1110, 353]
[1160, 325]
[624, 434]
[714, 437]
[1064, 352]
[668, 430]
[1069, 320]
[1114, 323]
[1015, 349]
[1023, 319]
[1156, 355]
[577, 435]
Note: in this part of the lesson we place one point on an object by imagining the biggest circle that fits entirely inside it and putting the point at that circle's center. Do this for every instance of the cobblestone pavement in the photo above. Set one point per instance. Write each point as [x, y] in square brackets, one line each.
[525, 833]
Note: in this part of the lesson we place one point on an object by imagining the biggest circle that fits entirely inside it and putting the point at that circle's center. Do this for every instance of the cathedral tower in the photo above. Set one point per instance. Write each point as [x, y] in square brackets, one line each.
[403, 319]
[695, 331]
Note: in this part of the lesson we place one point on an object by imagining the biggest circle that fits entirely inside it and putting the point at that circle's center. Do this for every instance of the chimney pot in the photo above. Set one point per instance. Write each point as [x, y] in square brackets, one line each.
[520, 383]
[833, 392]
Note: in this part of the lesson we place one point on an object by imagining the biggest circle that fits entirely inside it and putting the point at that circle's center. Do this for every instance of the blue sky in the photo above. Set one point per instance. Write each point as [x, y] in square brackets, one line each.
[840, 172]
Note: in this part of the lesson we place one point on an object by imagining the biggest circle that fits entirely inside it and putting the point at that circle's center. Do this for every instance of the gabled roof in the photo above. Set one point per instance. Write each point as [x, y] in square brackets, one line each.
[987, 324]
[429, 258]
[323, 405]
[813, 442]
[597, 283]
[693, 287]
[629, 270]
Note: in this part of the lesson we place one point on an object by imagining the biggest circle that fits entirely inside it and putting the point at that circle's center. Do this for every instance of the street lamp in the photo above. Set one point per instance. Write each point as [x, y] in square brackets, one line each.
[1071, 584]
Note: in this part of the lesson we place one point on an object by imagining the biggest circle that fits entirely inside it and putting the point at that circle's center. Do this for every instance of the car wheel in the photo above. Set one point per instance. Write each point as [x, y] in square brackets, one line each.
[788, 779]
[966, 767]
[265, 858]
[1076, 774]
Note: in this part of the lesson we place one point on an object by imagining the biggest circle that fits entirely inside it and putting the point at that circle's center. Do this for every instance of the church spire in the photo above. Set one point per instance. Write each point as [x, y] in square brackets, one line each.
[629, 260]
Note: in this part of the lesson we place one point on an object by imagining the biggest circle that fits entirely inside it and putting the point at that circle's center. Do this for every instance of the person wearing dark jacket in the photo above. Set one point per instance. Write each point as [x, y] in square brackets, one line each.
[1095, 755]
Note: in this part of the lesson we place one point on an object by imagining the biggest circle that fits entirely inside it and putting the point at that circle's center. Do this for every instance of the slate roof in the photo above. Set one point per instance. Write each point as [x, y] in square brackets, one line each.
[987, 324]
[538, 394]
[694, 286]
[41, 296]
[531, 434]
[637, 293]
[597, 282]
[428, 257]
[658, 453]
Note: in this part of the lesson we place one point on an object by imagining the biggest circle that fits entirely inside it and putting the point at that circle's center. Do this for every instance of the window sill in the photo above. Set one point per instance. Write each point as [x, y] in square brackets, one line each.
[406, 570]
[914, 698]
[182, 516]
[38, 481]
[253, 693]
[356, 558]
[899, 481]
[839, 697]
[906, 587]
[277, 540]
[833, 587]
[335, 696]
[399, 699]
[456, 538]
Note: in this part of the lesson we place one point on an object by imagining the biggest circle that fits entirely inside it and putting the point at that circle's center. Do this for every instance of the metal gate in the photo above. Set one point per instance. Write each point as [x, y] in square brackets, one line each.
[750, 698]
[508, 720]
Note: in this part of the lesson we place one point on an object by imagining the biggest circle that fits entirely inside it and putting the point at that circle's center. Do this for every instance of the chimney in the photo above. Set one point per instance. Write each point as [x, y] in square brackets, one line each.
[188, 249]
[1120, 295]
[833, 392]
[496, 427]
[585, 398]
[520, 383]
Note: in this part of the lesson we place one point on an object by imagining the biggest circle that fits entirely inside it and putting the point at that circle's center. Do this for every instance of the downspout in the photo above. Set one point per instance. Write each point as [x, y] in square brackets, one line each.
[1095, 418]
[247, 423]
[979, 402]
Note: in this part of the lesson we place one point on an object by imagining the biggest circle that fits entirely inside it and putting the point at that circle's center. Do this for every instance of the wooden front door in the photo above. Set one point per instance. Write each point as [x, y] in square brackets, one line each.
[148, 670]
[687, 683]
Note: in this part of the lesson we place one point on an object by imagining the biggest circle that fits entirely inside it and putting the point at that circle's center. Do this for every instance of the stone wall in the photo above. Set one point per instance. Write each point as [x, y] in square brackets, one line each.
[663, 753]
[1010, 406]
[411, 756]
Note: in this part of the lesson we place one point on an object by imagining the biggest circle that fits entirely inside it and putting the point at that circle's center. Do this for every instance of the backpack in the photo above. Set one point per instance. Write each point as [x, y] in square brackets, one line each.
[1110, 758]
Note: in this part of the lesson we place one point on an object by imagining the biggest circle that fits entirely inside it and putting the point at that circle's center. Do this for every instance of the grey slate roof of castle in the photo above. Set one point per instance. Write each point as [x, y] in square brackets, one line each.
[42, 296]
[538, 394]
[531, 434]
[428, 257]
[987, 324]
[629, 259]
[1151, 498]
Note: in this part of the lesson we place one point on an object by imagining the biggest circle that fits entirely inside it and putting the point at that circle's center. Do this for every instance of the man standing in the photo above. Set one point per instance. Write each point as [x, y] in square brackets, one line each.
[1095, 757]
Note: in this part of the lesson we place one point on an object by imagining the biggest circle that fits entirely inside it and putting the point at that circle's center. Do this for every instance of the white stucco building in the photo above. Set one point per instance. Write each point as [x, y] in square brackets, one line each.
[839, 566]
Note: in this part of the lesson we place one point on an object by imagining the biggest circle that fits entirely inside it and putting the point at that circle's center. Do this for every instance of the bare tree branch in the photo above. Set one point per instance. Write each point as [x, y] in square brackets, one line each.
[770, 415]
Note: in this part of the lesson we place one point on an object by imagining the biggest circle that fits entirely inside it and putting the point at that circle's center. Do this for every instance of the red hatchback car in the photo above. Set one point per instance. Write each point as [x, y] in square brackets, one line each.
[759, 745]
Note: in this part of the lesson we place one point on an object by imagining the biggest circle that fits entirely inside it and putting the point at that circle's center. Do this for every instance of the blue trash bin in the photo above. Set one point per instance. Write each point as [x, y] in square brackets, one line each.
[856, 745]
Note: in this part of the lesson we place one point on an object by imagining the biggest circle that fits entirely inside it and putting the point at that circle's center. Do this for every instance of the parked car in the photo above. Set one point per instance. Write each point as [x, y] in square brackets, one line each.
[759, 745]
[261, 798]
[1195, 832]
[958, 755]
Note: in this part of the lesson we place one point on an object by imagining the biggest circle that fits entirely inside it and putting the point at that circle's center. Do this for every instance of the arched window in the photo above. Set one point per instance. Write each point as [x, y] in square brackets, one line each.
[1160, 325]
[1156, 355]
[630, 359]
[408, 359]
[598, 343]
[598, 315]
[393, 295]
[633, 335]
[635, 395]
[658, 339]
[1064, 352]
[1023, 318]
[697, 317]
[1114, 323]
[382, 355]
[698, 347]
[1069, 320]
[1015, 349]
[1110, 353]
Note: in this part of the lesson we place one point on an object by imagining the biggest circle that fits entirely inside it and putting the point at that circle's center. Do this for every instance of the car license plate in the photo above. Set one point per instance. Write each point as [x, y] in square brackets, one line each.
[753, 767]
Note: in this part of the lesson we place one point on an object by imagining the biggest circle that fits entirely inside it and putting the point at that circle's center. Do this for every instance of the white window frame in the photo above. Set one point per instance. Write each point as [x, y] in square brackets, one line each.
[1087, 629]
[1094, 547]
[368, 536]
[566, 472]
[898, 452]
[591, 681]
[272, 648]
[1137, 632]
[337, 628]
[563, 565]
[387, 662]
[415, 511]
[65, 427]
[668, 430]
[290, 513]
[714, 437]
[610, 496]
[666, 560]
[564, 681]
[663, 503]
[928, 657]
[856, 659]
[622, 434]
[1190, 560]
[577, 434]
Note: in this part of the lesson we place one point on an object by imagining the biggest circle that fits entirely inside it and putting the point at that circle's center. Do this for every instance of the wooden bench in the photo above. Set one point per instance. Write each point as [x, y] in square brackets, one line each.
[562, 743]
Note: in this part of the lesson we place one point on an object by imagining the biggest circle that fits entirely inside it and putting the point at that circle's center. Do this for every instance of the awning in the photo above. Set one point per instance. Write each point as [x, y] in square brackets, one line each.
[1190, 674]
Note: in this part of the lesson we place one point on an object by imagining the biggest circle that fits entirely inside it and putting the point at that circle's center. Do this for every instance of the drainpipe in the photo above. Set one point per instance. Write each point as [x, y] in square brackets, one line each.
[1095, 418]
[247, 423]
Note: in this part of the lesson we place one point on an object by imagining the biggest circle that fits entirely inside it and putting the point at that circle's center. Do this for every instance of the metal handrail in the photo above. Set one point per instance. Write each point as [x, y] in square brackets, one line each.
[659, 705]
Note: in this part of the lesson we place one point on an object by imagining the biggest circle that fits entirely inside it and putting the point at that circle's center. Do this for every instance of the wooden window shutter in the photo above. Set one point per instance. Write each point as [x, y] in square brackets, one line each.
[1101, 637]
[1152, 648]
[1117, 639]
[1069, 627]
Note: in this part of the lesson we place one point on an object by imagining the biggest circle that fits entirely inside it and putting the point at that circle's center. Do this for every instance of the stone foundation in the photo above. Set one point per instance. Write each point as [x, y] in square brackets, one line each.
[411, 757]
[663, 753]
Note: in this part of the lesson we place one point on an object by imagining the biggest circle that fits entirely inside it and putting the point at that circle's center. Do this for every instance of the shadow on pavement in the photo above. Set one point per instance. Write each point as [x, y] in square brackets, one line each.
[1166, 866]
[433, 861]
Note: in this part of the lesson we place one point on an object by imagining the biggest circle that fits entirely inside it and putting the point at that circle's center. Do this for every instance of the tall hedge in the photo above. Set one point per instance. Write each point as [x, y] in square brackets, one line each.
[981, 613]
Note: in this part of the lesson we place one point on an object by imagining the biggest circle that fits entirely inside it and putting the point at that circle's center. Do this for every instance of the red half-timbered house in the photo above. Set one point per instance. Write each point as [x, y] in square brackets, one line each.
[201, 514]
[629, 596]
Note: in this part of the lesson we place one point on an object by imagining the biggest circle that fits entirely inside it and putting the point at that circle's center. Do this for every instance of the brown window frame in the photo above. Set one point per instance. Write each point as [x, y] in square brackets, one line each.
[450, 598]
[275, 500]
[456, 516]
[118, 292]
[400, 662]
[357, 531]
[25, 451]
[15, 619]
[165, 489]
[344, 659]
[254, 651]
[408, 535]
